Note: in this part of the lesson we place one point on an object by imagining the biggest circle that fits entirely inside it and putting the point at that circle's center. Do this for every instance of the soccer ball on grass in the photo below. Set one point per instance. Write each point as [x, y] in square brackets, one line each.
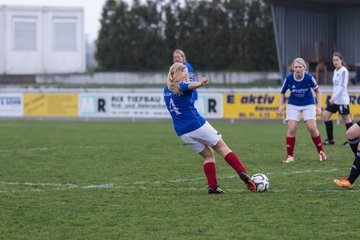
[261, 181]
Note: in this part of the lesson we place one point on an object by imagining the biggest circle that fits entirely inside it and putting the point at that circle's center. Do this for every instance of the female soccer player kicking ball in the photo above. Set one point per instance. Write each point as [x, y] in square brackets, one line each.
[195, 131]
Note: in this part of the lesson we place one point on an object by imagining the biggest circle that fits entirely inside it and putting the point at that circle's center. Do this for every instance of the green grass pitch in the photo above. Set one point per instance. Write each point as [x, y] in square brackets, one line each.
[136, 180]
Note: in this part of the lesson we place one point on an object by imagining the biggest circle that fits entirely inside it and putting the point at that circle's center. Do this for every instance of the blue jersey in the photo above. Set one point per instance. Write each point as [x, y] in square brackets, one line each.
[191, 78]
[181, 107]
[300, 90]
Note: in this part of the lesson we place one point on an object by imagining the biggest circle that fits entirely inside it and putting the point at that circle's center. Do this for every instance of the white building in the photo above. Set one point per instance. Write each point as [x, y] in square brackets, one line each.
[41, 40]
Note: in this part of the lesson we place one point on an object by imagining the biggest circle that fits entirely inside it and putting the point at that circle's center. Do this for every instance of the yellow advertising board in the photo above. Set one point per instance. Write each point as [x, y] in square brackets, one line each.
[51, 104]
[251, 105]
[265, 105]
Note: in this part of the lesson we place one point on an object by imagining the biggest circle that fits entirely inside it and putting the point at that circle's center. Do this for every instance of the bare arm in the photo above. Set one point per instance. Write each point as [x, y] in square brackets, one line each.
[281, 104]
[318, 101]
[194, 85]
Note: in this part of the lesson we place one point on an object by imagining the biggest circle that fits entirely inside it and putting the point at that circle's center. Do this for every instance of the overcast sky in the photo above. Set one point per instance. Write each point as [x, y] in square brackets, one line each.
[92, 10]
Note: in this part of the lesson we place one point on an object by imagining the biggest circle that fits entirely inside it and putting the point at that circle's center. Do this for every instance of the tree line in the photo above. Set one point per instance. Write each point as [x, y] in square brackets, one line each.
[214, 34]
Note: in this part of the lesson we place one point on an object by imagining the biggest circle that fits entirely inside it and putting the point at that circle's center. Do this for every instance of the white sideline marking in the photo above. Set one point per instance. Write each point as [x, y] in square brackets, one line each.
[67, 185]
[140, 184]
[99, 186]
[304, 171]
[38, 184]
[15, 191]
[43, 149]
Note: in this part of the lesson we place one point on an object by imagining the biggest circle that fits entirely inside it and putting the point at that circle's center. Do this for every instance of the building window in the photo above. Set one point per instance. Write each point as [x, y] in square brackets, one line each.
[24, 34]
[64, 35]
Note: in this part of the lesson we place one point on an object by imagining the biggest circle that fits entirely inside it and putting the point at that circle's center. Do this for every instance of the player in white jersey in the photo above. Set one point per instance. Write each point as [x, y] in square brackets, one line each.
[195, 131]
[339, 101]
[301, 100]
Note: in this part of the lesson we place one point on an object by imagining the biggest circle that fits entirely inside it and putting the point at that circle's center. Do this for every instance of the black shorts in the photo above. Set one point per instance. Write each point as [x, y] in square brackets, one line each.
[342, 109]
[358, 123]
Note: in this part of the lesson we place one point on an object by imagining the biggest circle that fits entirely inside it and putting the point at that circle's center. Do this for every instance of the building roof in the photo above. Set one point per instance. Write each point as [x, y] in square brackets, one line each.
[315, 4]
[321, 2]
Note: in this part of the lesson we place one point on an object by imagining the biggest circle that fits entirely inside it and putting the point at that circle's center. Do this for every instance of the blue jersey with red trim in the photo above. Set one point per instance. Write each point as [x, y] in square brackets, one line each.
[181, 107]
[300, 90]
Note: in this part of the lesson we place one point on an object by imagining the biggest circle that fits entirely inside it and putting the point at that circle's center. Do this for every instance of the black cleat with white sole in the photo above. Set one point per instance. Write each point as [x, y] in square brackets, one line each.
[216, 190]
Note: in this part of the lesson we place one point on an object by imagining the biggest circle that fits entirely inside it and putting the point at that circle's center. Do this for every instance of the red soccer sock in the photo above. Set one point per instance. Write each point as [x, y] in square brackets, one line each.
[210, 172]
[290, 145]
[318, 143]
[235, 162]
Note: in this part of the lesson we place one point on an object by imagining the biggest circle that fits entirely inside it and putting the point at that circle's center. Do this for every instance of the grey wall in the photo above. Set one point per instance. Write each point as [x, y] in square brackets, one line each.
[148, 78]
[2, 39]
[297, 31]
[348, 33]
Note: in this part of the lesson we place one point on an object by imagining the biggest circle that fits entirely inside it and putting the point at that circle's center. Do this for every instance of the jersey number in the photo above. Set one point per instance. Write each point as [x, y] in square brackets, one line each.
[173, 107]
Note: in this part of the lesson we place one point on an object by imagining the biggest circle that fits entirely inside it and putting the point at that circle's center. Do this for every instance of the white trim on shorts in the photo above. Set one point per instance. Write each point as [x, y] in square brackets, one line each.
[293, 112]
[204, 136]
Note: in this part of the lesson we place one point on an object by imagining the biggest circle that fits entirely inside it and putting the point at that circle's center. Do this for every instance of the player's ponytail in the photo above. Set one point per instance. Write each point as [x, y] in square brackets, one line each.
[175, 76]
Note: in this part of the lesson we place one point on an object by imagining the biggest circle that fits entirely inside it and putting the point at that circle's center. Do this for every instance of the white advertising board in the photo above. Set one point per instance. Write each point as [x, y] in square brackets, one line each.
[141, 105]
[210, 105]
[11, 105]
[122, 105]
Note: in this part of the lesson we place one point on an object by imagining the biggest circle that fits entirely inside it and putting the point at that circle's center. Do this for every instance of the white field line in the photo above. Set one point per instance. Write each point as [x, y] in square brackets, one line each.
[59, 185]
[45, 149]
[229, 177]
[304, 172]
[141, 184]
[25, 190]
[241, 190]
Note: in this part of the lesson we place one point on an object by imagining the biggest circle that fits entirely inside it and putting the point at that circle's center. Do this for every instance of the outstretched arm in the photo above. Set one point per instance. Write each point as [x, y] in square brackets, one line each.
[194, 85]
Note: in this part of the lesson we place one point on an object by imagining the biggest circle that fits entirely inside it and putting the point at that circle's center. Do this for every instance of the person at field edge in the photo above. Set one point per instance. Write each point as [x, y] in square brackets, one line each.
[179, 56]
[195, 131]
[353, 136]
[301, 100]
[339, 101]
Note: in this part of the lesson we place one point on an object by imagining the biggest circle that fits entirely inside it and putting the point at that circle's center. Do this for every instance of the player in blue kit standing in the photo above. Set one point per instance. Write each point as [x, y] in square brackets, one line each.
[179, 56]
[301, 100]
[195, 131]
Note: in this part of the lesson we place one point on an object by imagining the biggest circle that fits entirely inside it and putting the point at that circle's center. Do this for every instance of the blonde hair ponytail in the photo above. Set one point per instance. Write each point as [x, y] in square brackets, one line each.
[175, 76]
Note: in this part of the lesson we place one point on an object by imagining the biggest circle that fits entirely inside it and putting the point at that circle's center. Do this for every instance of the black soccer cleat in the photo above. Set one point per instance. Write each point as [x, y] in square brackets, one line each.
[249, 183]
[346, 143]
[216, 190]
